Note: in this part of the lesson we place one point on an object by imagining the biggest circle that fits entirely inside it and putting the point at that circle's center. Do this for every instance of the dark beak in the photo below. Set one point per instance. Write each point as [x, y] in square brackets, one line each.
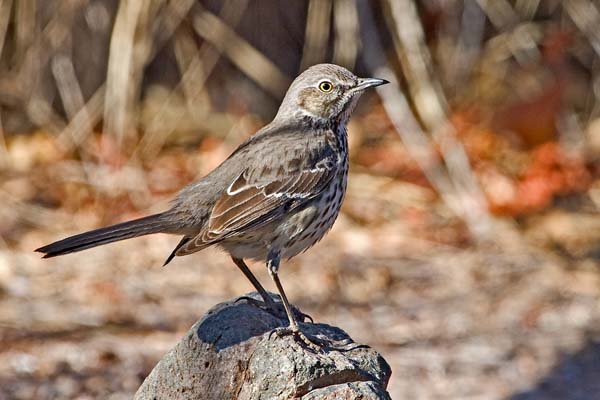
[365, 83]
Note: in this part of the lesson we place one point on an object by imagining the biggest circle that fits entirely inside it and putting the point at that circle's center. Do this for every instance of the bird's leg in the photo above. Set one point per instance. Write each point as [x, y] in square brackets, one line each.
[294, 329]
[259, 288]
[268, 300]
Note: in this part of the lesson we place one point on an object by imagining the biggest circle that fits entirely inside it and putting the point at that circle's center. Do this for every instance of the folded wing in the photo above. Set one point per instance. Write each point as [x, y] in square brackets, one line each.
[266, 192]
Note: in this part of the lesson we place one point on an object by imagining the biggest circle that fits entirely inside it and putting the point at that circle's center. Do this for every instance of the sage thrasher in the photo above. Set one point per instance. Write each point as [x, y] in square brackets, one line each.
[274, 197]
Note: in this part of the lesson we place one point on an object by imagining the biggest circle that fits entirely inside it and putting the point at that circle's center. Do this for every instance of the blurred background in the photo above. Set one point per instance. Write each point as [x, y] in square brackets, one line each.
[467, 251]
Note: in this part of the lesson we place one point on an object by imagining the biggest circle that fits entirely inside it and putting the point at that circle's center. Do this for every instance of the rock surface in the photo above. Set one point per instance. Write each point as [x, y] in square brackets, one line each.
[232, 353]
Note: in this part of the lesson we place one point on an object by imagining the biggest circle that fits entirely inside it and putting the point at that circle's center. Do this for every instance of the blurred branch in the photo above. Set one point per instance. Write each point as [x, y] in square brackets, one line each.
[80, 123]
[53, 36]
[500, 13]
[431, 106]
[400, 114]
[140, 30]
[347, 37]
[83, 122]
[457, 185]
[409, 41]
[171, 18]
[29, 86]
[154, 25]
[5, 12]
[4, 162]
[128, 54]
[67, 84]
[316, 36]
[186, 55]
[195, 71]
[586, 17]
[519, 39]
[247, 58]
[468, 46]
[25, 22]
[527, 8]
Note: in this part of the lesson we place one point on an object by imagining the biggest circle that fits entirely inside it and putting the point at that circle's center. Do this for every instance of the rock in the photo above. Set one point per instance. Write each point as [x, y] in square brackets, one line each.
[232, 353]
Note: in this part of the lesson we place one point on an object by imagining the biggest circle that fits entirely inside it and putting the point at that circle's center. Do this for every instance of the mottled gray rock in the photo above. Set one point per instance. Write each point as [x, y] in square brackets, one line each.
[230, 354]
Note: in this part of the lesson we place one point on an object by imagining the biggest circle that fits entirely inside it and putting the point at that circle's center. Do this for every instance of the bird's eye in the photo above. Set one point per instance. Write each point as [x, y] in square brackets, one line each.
[325, 86]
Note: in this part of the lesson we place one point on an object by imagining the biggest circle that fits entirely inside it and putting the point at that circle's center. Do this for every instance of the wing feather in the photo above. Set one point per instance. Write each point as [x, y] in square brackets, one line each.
[256, 205]
[278, 195]
[259, 195]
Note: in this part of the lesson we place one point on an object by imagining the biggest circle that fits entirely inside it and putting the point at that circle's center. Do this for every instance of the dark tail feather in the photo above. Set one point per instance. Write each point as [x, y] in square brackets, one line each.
[143, 226]
[173, 253]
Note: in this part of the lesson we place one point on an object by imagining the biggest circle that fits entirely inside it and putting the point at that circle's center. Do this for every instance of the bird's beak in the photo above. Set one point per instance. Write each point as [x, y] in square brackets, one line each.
[365, 83]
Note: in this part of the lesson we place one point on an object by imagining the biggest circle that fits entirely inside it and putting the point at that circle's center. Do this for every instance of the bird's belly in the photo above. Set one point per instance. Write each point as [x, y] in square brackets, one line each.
[295, 232]
[307, 227]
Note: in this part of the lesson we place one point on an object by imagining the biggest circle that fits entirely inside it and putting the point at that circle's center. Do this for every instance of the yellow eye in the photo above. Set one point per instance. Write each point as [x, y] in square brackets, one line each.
[326, 86]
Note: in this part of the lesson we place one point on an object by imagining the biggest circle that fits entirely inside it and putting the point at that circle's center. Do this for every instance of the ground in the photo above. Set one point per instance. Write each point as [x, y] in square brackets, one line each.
[514, 316]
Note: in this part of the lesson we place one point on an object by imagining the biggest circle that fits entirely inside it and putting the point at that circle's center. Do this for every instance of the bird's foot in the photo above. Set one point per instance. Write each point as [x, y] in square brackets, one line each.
[314, 343]
[275, 308]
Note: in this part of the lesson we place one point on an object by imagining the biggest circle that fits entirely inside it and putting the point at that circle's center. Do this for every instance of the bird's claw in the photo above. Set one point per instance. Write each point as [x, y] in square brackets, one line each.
[313, 343]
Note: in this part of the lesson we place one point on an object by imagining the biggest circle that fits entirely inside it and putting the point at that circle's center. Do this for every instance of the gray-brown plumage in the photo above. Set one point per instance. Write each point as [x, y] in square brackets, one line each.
[274, 197]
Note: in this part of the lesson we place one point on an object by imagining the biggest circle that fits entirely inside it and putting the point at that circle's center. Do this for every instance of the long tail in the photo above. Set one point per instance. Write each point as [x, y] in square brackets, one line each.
[143, 226]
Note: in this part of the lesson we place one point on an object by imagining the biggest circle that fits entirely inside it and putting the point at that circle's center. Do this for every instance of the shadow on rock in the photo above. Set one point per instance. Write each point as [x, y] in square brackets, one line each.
[229, 354]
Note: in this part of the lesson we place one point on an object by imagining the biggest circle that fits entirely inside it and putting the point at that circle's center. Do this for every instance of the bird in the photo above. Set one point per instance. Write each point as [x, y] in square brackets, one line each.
[274, 197]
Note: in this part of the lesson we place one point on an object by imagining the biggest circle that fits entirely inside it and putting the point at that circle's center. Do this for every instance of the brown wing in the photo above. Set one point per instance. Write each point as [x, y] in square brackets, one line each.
[252, 204]
[255, 198]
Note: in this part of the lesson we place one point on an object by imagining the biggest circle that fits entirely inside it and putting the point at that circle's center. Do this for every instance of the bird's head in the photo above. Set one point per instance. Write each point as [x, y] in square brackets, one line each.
[325, 92]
